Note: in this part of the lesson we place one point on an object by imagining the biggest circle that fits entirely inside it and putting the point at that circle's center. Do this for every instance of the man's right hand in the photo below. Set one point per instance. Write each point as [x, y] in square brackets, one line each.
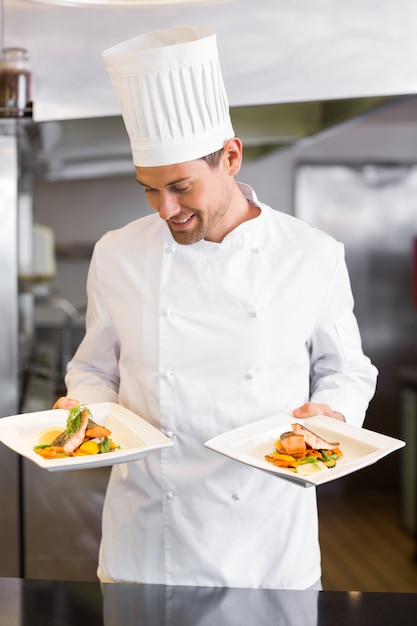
[65, 403]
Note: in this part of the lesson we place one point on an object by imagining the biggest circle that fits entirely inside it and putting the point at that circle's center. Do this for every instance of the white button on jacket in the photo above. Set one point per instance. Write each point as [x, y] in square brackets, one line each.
[187, 515]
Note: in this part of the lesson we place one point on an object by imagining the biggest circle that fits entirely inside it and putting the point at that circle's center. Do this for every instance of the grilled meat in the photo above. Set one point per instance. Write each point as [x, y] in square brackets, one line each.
[293, 444]
[312, 440]
[74, 435]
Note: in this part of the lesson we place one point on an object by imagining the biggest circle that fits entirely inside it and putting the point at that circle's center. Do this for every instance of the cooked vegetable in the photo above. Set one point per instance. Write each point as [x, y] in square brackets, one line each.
[90, 447]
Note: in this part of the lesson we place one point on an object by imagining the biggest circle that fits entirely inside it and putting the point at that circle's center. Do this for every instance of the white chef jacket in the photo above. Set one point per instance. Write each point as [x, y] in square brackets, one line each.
[198, 340]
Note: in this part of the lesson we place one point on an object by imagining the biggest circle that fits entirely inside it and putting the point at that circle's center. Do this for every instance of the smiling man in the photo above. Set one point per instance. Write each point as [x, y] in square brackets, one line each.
[211, 313]
[199, 199]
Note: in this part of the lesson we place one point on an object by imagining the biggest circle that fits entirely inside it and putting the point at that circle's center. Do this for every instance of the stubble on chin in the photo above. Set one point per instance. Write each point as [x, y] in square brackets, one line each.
[187, 238]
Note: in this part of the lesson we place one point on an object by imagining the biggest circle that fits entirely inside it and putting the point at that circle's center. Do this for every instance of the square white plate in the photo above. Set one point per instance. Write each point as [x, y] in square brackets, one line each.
[249, 444]
[133, 434]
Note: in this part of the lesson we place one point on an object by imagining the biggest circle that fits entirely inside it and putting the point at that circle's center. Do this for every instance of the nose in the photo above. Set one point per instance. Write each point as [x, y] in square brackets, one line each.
[168, 206]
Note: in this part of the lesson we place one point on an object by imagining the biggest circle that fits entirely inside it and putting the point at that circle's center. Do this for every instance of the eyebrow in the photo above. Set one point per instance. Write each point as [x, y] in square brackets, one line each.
[170, 184]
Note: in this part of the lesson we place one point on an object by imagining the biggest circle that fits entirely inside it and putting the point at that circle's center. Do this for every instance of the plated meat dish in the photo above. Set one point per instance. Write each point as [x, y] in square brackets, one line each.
[82, 436]
[303, 451]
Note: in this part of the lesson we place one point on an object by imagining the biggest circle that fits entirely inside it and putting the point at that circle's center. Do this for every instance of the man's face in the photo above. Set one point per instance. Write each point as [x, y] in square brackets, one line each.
[191, 197]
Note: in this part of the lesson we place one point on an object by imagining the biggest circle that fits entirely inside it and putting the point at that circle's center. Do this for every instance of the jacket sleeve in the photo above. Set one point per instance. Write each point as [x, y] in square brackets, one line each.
[341, 375]
[93, 373]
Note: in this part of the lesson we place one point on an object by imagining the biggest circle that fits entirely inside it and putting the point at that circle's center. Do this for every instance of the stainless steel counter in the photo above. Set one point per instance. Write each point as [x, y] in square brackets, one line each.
[58, 603]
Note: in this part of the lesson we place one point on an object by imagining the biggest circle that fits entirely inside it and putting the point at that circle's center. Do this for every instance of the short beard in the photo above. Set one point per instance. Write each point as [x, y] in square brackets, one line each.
[188, 238]
[201, 229]
[205, 222]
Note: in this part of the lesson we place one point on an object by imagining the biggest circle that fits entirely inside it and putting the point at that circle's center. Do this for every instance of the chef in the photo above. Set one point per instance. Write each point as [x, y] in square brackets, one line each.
[211, 313]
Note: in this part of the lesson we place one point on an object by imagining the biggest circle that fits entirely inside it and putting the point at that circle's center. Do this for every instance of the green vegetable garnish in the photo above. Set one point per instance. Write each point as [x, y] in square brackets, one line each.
[74, 418]
[325, 456]
[308, 459]
[104, 445]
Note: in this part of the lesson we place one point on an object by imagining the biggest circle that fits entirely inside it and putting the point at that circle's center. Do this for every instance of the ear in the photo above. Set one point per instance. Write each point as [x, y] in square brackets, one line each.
[232, 152]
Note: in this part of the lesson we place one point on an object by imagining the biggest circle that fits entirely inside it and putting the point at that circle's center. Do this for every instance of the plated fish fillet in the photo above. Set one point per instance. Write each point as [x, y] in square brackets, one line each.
[73, 437]
[292, 443]
[313, 440]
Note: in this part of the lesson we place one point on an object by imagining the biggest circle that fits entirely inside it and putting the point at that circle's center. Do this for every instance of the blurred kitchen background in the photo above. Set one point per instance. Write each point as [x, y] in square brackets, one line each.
[324, 97]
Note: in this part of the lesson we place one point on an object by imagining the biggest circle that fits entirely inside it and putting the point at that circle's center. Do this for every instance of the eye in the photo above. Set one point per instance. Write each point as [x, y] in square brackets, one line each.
[183, 188]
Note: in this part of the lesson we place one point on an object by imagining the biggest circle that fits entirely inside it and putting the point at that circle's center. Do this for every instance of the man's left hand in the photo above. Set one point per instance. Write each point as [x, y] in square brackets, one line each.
[312, 408]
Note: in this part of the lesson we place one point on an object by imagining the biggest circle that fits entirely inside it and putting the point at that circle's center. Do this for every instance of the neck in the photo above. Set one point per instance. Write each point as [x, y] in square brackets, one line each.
[240, 210]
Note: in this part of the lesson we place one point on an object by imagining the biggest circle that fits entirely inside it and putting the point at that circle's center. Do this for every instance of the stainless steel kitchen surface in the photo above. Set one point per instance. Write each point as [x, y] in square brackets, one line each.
[9, 381]
[50, 523]
[372, 209]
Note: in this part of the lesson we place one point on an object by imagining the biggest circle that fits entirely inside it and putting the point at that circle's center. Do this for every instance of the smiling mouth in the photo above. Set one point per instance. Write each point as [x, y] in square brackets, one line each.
[180, 224]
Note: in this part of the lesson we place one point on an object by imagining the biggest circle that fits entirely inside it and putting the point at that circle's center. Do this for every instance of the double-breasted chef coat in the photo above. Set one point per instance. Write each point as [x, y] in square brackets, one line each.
[198, 340]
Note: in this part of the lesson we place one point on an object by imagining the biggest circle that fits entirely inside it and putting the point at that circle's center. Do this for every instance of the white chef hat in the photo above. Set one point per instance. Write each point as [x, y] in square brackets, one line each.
[171, 92]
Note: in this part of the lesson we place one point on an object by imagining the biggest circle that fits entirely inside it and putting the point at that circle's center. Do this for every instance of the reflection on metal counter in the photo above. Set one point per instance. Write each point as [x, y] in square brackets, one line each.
[30, 603]
[202, 606]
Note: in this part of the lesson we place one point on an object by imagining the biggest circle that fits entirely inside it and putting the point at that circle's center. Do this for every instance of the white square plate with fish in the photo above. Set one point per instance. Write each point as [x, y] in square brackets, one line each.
[133, 434]
[360, 447]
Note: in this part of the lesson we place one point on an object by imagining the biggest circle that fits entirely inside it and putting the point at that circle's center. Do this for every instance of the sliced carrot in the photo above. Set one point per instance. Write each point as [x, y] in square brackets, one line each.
[315, 453]
[281, 460]
[279, 463]
[51, 452]
[97, 431]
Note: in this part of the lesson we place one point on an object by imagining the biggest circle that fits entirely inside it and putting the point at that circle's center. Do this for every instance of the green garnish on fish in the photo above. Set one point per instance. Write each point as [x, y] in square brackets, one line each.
[75, 417]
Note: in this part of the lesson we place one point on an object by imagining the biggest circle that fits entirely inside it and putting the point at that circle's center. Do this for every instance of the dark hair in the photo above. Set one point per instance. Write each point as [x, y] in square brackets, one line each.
[213, 159]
